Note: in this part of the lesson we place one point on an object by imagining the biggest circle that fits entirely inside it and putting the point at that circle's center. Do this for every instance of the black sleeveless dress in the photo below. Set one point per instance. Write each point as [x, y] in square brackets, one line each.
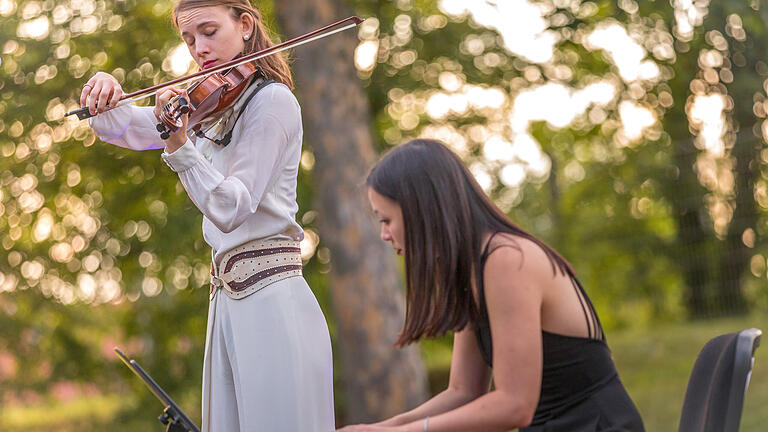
[580, 388]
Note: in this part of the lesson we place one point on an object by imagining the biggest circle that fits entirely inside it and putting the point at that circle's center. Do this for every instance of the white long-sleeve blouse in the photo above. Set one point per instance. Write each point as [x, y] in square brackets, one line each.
[247, 190]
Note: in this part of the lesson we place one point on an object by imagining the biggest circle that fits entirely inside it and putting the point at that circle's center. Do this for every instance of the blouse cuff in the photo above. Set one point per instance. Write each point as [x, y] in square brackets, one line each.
[184, 158]
[111, 125]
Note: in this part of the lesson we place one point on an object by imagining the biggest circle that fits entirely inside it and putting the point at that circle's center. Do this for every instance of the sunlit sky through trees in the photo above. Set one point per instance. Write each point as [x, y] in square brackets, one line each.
[525, 30]
[489, 123]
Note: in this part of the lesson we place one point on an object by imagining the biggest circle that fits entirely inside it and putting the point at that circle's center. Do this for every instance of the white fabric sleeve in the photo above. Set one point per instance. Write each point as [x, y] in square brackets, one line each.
[254, 158]
[128, 126]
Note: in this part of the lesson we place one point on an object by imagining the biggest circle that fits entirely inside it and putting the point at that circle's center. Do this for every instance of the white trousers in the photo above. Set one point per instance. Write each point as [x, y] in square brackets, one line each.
[268, 365]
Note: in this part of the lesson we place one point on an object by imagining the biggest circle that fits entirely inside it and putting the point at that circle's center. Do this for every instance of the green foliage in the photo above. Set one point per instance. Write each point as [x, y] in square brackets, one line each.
[653, 219]
[102, 244]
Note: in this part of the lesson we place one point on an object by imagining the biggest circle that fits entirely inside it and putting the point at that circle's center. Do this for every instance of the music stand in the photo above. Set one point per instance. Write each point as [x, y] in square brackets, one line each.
[173, 417]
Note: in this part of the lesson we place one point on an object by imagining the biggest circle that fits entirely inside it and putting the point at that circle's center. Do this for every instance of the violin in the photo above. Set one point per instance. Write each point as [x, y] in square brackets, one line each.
[217, 88]
[211, 95]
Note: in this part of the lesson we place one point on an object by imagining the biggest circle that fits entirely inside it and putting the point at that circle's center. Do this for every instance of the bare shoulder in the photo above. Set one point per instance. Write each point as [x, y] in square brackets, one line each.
[511, 254]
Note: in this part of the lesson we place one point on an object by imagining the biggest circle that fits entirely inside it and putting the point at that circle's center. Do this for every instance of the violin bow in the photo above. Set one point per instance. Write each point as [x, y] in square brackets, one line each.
[339, 26]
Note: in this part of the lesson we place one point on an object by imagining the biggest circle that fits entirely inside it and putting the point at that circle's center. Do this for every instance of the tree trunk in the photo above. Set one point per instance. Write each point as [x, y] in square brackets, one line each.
[683, 189]
[692, 237]
[378, 380]
[687, 199]
[734, 259]
[746, 82]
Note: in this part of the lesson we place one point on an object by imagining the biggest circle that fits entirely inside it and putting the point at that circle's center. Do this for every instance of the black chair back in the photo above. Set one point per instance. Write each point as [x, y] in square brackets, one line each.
[719, 379]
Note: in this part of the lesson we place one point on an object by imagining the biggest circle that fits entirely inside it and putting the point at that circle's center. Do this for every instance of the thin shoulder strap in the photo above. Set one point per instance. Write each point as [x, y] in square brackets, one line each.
[594, 328]
[487, 251]
[481, 283]
[484, 256]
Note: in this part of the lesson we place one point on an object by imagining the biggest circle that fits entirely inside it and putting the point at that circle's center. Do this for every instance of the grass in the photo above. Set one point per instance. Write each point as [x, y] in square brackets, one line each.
[64, 416]
[654, 365]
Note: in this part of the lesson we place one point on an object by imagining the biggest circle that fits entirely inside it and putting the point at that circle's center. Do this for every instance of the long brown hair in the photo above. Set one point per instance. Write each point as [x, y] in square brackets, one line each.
[446, 215]
[274, 66]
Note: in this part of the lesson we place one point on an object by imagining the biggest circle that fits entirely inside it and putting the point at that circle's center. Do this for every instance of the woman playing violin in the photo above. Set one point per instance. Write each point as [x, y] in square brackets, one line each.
[268, 364]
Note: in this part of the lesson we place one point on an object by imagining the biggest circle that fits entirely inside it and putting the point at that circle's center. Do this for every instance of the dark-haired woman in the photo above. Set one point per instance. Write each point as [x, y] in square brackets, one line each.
[268, 363]
[518, 313]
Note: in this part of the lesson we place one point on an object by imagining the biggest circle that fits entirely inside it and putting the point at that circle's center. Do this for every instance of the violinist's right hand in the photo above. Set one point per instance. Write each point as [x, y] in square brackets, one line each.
[101, 92]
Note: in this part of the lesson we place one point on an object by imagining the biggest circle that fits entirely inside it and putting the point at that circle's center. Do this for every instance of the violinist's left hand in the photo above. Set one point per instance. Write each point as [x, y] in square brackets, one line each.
[178, 138]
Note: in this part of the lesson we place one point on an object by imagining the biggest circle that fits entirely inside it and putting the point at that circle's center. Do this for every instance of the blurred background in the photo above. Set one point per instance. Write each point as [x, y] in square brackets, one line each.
[629, 135]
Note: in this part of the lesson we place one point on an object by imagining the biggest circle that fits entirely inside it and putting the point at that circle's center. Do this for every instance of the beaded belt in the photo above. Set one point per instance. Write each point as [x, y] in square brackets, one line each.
[254, 265]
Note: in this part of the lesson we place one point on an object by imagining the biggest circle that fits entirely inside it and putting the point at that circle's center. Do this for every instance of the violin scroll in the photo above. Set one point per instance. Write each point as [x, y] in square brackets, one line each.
[170, 118]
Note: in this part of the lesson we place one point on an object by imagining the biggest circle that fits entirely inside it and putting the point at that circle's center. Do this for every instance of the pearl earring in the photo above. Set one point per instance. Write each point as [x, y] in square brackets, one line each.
[246, 37]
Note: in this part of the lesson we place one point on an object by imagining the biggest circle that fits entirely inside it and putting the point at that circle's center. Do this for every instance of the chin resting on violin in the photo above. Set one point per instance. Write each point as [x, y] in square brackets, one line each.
[239, 168]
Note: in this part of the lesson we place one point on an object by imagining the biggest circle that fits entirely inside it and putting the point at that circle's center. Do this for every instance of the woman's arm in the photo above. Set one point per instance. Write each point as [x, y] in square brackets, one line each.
[469, 379]
[127, 126]
[253, 161]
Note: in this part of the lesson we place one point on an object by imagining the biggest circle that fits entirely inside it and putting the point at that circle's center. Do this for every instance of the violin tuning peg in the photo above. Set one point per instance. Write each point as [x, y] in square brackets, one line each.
[160, 127]
[165, 135]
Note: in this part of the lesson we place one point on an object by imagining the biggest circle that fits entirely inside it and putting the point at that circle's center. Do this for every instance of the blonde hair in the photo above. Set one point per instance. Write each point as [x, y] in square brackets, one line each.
[275, 66]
